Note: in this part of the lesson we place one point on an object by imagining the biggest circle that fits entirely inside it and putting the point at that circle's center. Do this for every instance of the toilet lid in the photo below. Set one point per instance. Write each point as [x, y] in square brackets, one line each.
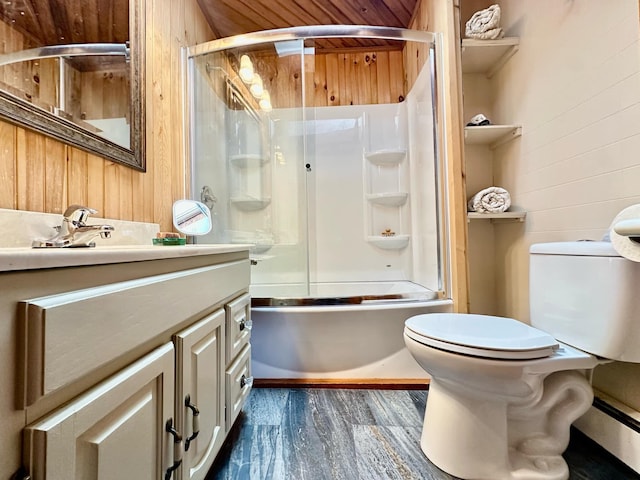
[481, 336]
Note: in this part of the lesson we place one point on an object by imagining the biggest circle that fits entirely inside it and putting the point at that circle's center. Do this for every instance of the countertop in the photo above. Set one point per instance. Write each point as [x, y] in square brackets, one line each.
[12, 259]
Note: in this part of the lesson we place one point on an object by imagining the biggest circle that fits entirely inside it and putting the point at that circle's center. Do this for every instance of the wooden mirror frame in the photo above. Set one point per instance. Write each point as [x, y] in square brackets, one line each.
[27, 115]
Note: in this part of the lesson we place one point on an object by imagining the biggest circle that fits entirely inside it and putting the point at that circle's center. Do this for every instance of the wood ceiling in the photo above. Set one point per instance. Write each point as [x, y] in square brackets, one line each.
[235, 17]
[59, 22]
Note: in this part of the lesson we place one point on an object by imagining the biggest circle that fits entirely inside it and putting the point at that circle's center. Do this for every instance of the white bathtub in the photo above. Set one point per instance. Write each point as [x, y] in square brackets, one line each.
[348, 341]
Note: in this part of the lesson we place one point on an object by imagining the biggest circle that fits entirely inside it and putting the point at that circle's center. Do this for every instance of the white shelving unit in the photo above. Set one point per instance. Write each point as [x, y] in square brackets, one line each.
[488, 57]
[384, 198]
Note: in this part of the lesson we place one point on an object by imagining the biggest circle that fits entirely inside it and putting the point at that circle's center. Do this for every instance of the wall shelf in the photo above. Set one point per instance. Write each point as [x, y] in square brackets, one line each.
[491, 135]
[487, 56]
[390, 199]
[249, 204]
[247, 160]
[386, 157]
[393, 242]
[497, 217]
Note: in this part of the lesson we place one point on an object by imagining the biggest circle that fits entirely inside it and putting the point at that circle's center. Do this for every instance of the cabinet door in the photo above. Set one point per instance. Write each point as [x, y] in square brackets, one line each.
[200, 392]
[115, 430]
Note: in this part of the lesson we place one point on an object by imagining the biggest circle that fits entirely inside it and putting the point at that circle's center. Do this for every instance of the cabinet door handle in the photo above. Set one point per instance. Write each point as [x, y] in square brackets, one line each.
[248, 324]
[246, 381]
[177, 454]
[196, 422]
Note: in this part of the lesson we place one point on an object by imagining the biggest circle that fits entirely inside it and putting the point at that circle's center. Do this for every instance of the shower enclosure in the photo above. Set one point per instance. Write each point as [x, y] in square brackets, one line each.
[342, 201]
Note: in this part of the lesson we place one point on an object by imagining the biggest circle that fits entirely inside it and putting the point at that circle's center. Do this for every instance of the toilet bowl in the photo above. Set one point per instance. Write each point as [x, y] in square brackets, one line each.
[503, 394]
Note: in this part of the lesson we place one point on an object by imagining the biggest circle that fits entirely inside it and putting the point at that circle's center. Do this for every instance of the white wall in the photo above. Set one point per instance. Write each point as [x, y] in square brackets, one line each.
[574, 85]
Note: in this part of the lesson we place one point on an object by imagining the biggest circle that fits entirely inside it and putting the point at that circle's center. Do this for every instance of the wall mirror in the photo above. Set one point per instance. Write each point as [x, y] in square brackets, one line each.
[74, 70]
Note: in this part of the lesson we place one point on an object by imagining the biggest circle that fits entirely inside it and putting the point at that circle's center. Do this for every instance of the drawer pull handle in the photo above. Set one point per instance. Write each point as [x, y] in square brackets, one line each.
[177, 455]
[248, 324]
[246, 381]
[196, 422]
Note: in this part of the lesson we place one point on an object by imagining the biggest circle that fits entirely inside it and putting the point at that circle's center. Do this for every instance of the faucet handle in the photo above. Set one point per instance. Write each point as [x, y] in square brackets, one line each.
[82, 213]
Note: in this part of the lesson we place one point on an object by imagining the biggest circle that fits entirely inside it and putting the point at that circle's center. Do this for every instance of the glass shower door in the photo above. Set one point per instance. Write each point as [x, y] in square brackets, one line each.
[248, 158]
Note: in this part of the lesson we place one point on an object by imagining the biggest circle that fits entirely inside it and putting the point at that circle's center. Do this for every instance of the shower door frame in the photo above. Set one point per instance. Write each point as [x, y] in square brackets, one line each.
[434, 42]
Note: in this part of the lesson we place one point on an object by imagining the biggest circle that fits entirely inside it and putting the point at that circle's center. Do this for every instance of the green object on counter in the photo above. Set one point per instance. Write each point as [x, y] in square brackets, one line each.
[169, 241]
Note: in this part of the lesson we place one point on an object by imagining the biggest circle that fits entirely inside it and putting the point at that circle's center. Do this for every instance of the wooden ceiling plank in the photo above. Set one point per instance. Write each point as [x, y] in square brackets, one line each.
[62, 30]
[75, 20]
[105, 23]
[120, 21]
[90, 15]
[267, 19]
[300, 15]
[402, 9]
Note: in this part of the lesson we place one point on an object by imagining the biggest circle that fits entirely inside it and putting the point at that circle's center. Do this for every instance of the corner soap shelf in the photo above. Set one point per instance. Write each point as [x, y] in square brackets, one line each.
[248, 160]
[389, 157]
[393, 242]
[389, 199]
[383, 199]
[250, 204]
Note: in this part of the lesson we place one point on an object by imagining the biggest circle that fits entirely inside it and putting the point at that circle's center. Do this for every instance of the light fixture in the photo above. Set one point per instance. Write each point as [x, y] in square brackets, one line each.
[265, 102]
[246, 69]
[256, 86]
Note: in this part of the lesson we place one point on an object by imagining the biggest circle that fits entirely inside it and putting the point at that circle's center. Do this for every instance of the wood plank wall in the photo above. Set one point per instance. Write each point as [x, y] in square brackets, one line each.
[358, 77]
[443, 16]
[41, 174]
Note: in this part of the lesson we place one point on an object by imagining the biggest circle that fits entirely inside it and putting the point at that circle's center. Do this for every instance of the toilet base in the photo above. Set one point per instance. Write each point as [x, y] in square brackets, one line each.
[483, 437]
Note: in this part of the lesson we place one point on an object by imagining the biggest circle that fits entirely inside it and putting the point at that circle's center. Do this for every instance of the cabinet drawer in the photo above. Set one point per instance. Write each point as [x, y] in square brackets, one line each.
[70, 335]
[238, 384]
[238, 325]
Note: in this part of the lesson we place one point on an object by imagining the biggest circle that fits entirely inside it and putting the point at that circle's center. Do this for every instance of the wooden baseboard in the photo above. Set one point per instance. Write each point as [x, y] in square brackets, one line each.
[369, 383]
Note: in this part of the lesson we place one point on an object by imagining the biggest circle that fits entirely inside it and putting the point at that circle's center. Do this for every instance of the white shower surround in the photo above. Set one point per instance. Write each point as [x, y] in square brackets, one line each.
[331, 342]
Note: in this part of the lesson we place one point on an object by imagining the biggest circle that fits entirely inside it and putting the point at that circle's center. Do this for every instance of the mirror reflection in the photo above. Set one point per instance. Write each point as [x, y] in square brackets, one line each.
[76, 61]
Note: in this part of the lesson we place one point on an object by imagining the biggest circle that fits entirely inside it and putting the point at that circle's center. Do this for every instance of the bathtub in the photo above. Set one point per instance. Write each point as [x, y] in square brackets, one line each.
[342, 332]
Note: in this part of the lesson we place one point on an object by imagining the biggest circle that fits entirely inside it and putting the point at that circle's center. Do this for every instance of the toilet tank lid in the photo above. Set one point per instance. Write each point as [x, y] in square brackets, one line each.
[582, 248]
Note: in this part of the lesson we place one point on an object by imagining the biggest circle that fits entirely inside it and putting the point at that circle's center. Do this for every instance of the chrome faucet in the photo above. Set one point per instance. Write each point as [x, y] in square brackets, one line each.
[74, 232]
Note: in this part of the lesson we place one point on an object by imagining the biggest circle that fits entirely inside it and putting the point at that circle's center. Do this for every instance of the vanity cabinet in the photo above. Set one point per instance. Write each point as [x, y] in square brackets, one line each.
[123, 369]
[116, 430]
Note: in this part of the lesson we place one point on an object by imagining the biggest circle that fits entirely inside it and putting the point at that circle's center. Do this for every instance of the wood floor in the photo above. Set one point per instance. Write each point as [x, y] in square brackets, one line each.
[350, 434]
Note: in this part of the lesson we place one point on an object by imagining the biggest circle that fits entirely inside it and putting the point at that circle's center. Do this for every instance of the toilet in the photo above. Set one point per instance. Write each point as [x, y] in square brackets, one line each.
[503, 394]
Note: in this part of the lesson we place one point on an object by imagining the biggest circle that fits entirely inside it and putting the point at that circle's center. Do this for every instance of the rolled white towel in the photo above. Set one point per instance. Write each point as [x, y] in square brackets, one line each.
[490, 200]
[485, 24]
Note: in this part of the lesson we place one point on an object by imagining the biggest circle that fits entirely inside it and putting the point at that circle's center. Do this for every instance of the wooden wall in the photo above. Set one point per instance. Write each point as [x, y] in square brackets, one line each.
[358, 77]
[41, 174]
[443, 16]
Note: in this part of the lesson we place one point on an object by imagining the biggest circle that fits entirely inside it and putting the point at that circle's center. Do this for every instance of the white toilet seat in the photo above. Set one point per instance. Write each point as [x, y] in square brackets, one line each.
[481, 336]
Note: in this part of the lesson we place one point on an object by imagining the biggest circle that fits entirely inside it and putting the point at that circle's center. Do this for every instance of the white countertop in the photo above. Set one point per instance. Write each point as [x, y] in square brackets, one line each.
[12, 259]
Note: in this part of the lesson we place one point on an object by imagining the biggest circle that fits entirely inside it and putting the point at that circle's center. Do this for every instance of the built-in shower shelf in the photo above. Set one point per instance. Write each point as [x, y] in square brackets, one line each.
[393, 242]
[388, 157]
[389, 199]
[248, 160]
[249, 204]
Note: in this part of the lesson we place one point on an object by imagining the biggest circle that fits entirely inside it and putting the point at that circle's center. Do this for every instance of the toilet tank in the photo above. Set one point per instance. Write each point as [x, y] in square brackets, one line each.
[586, 295]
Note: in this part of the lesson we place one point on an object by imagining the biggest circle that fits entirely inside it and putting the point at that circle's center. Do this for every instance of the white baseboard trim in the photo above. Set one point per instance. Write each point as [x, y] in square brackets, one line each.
[620, 438]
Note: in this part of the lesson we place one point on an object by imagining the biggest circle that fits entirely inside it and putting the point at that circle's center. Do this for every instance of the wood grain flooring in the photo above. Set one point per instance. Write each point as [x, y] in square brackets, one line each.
[335, 434]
